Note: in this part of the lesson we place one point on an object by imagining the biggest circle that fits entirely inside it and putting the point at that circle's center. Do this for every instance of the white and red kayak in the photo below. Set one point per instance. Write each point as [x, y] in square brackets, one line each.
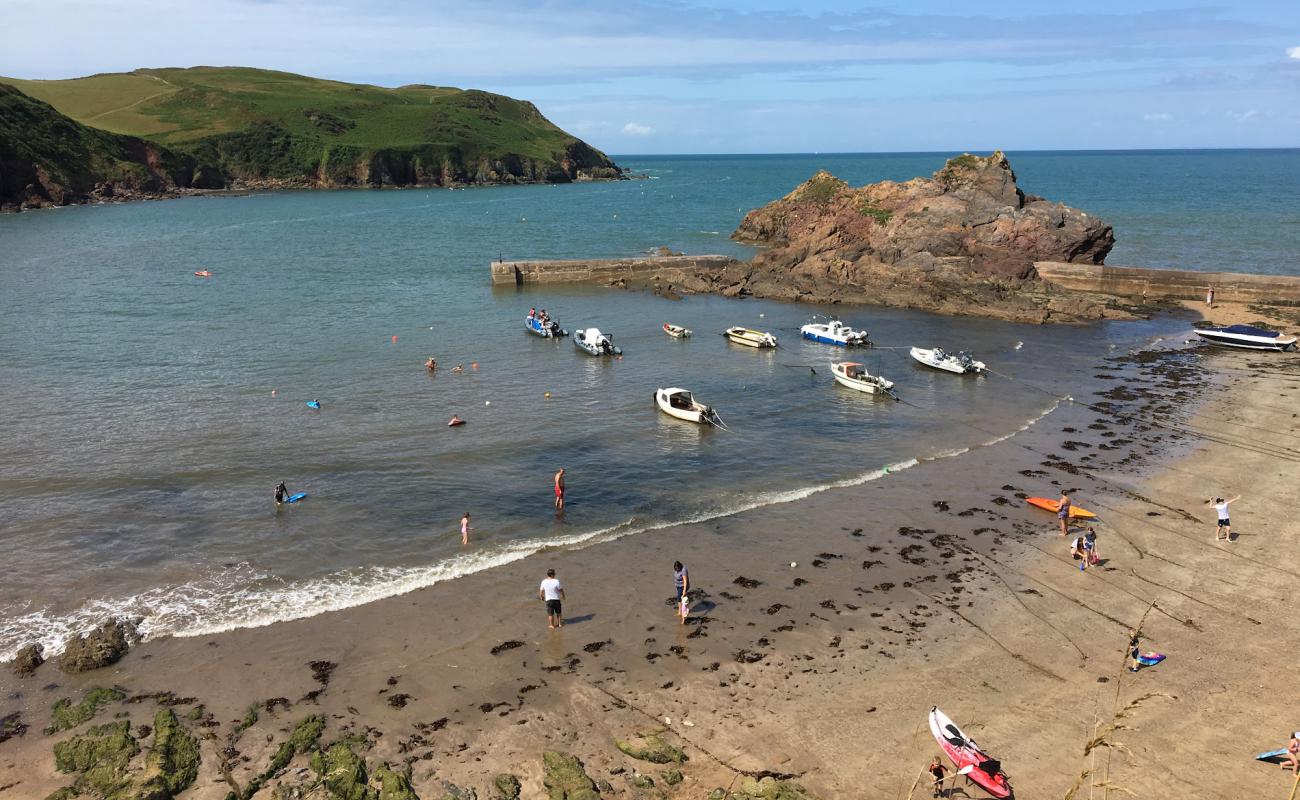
[967, 756]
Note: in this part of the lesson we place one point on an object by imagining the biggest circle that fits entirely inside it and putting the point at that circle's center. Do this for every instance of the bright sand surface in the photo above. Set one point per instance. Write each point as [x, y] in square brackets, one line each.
[936, 585]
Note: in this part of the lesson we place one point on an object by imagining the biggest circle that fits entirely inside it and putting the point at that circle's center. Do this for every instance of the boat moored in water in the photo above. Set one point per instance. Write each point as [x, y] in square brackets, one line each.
[676, 331]
[547, 330]
[1247, 337]
[834, 332]
[679, 403]
[593, 342]
[960, 363]
[750, 337]
[855, 376]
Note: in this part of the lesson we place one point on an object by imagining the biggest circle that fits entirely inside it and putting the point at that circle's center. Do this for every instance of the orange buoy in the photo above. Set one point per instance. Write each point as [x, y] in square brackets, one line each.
[473, 365]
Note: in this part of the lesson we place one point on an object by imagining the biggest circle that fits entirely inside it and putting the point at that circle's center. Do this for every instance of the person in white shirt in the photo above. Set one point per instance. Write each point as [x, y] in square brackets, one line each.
[553, 594]
[1224, 529]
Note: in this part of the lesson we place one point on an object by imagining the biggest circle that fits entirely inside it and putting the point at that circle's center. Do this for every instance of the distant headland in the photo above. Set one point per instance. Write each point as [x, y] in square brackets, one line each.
[160, 132]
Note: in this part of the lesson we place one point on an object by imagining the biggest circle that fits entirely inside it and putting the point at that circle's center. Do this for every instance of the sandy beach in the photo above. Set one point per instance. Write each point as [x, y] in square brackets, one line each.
[822, 636]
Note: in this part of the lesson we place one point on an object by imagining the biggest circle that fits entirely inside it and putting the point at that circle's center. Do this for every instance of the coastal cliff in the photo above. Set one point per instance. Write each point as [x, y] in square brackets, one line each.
[241, 128]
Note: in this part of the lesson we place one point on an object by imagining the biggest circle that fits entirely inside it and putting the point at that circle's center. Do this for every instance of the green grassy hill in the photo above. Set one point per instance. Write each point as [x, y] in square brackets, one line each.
[48, 159]
[279, 128]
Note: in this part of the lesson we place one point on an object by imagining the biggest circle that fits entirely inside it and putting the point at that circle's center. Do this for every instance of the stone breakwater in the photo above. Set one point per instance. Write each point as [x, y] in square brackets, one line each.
[1137, 282]
[603, 270]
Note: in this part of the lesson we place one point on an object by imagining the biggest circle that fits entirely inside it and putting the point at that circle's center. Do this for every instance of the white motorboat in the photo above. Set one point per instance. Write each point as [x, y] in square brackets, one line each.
[546, 330]
[960, 363]
[833, 332]
[855, 376]
[750, 337]
[1248, 337]
[676, 331]
[679, 403]
[591, 340]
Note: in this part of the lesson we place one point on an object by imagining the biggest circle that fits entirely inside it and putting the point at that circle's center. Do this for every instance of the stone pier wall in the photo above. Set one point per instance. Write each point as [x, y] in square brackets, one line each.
[1229, 287]
[600, 270]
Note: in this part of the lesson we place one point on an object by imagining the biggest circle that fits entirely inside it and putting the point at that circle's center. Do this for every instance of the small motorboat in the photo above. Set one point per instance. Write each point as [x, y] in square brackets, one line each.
[1247, 337]
[855, 376]
[750, 337]
[546, 330]
[676, 331]
[591, 340]
[679, 403]
[969, 759]
[960, 363]
[834, 332]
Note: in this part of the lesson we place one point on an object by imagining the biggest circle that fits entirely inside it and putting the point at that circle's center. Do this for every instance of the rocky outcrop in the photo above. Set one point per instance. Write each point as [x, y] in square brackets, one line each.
[963, 241]
[565, 778]
[103, 646]
[28, 659]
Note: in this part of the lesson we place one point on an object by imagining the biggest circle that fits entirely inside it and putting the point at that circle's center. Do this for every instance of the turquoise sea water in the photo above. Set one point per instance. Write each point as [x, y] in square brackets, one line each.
[140, 439]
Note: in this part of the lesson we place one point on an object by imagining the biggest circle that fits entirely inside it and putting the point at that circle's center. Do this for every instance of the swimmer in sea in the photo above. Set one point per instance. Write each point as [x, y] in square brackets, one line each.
[458, 368]
[431, 365]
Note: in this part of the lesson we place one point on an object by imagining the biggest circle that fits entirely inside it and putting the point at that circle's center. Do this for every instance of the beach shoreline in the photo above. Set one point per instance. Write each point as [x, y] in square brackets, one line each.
[830, 626]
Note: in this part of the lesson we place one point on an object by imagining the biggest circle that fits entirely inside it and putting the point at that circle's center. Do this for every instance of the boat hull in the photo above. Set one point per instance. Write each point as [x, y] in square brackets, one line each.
[750, 338]
[1246, 342]
[696, 414]
[927, 358]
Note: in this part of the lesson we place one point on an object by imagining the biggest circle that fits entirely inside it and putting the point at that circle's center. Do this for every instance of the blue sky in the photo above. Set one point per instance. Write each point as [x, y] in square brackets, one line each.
[732, 77]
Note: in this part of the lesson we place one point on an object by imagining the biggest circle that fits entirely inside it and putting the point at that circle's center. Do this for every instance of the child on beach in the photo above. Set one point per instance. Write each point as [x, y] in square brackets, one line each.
[682, 583]
[940, 774]
[1224, 527]
[464, 529]
[1084, 549]
[1292, 761]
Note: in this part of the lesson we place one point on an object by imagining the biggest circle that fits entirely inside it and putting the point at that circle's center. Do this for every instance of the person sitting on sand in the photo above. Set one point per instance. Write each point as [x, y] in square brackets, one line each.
[1063, 511]
[1292, 761]
[431, 364]
[1224, 527]
[940, 773]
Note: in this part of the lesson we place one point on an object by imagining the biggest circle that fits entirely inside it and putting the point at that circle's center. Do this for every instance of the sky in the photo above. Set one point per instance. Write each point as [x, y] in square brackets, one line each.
[769, 76]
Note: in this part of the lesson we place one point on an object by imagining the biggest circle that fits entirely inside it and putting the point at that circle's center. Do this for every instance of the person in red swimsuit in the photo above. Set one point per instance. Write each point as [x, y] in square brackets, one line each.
[559, 490]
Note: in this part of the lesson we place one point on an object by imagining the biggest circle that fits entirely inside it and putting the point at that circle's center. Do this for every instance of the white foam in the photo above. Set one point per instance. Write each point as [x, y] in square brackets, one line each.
[245, 597]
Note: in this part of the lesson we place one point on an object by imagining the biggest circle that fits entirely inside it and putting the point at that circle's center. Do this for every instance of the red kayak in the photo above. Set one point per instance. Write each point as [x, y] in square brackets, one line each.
[969, 759]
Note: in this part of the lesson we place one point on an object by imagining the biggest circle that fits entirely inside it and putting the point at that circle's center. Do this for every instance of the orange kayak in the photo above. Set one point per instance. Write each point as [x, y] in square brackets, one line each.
[1054, 506]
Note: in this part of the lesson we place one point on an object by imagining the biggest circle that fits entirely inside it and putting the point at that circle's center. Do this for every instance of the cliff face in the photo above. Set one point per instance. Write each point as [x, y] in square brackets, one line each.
[237, 127]
[962, 241]
[48, 159]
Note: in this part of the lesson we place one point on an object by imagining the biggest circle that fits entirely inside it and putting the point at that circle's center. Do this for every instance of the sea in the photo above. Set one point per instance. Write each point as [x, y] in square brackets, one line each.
[147, 414]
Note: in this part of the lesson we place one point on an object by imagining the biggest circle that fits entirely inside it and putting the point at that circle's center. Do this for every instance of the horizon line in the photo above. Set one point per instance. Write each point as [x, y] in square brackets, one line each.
[974, 151]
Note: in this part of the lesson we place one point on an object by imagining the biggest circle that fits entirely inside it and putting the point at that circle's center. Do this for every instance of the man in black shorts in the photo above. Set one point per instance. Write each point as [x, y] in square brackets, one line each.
[553, 593]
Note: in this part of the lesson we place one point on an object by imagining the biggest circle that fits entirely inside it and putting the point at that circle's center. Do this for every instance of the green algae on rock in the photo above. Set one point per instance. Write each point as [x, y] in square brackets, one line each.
[173, 761]
[507, 786]
[651, 747]
[565, 778]
[101, 757]
[764, 789]
[67, 716]
[394, 785]
[343, 773]
[304, 737]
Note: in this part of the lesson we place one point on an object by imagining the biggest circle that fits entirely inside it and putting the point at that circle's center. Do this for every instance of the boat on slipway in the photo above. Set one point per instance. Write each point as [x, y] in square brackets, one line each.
[676, 331]
[1247, 337]
[750, 337]
[834, 332]
[960, 363]
[593, 342]
[679, 403]
[855, 376]
[547, 330]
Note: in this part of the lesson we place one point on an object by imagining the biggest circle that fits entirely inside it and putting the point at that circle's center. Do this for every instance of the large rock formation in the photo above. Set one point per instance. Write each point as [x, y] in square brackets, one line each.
[103, 646]
[963, 241]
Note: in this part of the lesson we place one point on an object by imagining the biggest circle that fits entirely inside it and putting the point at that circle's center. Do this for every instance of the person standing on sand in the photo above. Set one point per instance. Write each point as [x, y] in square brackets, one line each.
[682, 582]
[553, 594]
[940, 773]
[559, 491]
[464, 529]
[1063, 511]
[1225, 524]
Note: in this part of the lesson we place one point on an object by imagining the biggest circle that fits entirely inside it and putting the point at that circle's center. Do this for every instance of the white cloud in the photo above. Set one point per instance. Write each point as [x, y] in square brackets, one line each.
[1293, 52]
[633, 129]
[1242, 116]
[1159, 117]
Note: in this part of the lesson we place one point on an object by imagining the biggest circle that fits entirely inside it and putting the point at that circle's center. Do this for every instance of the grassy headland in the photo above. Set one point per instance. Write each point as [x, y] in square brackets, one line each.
[244, 126]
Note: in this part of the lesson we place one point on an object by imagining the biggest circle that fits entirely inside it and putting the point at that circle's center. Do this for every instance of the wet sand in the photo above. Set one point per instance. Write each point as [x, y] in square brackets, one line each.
[934, 585]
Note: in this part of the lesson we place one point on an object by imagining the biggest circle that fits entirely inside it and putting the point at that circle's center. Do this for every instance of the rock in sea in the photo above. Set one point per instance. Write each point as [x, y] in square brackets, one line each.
[103, 646]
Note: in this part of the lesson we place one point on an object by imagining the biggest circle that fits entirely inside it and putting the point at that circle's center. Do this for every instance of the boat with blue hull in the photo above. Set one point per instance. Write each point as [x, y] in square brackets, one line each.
[834, 332]
[547, 330]
[1247, 337]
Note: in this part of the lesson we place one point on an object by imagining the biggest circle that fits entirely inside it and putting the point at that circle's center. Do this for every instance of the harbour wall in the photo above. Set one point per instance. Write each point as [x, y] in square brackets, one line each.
[598, 270]
[1229, 287]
